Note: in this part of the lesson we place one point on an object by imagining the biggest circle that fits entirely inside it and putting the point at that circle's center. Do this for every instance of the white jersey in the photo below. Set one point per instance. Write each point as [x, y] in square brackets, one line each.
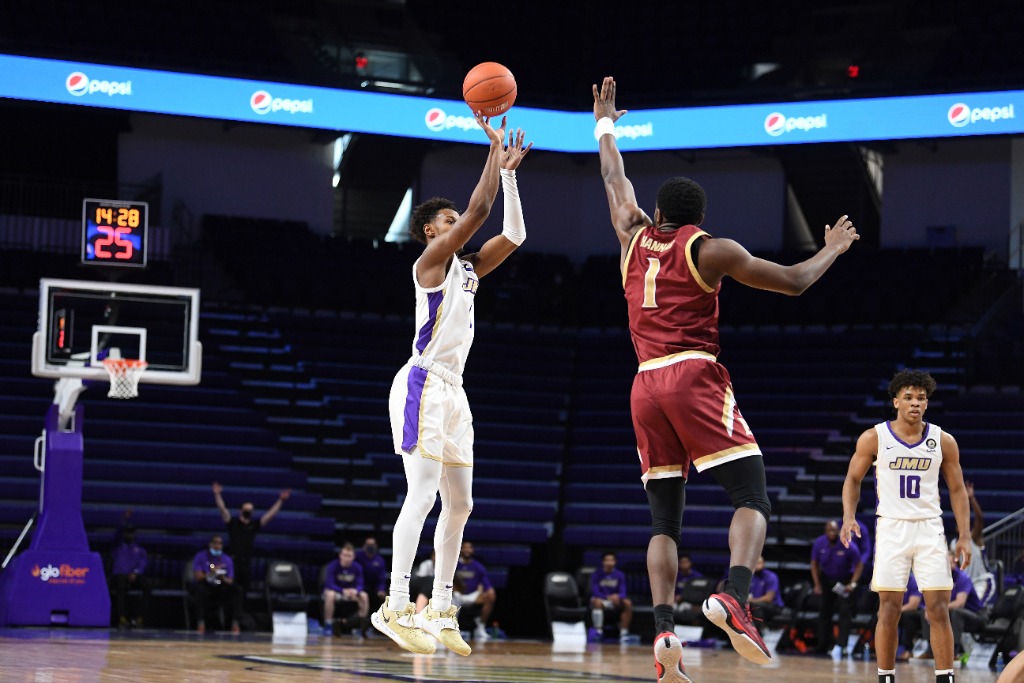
[444, 318]
[907, 475]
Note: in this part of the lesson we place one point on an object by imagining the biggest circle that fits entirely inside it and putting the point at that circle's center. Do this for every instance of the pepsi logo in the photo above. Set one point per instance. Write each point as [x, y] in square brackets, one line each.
[77, 83]
[435, 119]
[959, 115]
[775, 124]
[261, 101]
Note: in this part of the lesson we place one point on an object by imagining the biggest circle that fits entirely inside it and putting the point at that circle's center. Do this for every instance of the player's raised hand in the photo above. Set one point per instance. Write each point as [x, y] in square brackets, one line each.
[604, 101]
[514, 151]
[496, 136]
[841, 235]
[846, 533]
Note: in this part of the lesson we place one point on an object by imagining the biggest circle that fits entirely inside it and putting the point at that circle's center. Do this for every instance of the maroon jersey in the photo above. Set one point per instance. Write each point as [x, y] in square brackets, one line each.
[671, 309]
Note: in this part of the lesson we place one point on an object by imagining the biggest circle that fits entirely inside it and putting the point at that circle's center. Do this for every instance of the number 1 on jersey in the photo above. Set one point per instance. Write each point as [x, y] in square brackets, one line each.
[654, 265]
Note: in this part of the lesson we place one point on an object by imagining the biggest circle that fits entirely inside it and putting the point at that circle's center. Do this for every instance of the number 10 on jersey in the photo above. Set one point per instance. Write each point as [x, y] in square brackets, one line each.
[910, 486]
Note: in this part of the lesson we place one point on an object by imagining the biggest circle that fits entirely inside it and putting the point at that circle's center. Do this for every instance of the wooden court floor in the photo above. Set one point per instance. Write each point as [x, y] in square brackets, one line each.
[97, 656]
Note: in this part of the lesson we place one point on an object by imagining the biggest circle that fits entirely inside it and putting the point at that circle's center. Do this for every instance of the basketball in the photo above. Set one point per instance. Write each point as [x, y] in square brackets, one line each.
[489, 88]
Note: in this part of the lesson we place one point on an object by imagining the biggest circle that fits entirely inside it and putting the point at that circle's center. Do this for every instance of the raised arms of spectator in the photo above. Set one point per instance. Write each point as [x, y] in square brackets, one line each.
[275, 508]
[219, 500]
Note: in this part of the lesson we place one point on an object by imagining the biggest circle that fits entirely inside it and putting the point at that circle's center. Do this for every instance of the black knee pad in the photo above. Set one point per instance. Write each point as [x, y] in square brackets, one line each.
[666, 498]
[744, 481]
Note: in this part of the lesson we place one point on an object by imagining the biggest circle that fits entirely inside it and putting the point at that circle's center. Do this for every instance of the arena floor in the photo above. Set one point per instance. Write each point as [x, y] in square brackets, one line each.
[86, 656]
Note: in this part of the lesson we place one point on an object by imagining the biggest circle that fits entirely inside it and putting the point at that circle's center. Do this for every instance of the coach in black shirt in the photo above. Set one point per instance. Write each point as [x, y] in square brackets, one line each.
[242, 530]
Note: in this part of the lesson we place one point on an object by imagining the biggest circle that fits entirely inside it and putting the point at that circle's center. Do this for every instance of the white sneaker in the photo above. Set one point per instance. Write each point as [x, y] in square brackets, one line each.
[444, 626]
[401, 628]
[480, 634]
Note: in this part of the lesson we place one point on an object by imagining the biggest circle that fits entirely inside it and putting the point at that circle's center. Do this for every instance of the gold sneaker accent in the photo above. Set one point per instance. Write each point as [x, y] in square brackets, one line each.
[401, 628]
[444, 626]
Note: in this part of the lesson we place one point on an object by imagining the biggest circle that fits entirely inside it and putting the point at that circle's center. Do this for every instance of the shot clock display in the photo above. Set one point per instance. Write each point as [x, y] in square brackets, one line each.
[114, 232]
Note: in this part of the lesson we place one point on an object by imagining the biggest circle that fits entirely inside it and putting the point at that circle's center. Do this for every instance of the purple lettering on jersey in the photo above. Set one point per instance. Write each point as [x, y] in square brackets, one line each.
[434, 300]
[413, 399]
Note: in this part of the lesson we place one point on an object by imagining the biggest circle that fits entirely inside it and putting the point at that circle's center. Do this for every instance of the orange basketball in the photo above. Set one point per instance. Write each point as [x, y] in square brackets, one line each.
[489, 88]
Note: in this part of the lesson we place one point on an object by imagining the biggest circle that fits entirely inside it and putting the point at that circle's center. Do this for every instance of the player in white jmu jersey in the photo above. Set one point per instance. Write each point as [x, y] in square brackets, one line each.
[908, 454]
[431, 422]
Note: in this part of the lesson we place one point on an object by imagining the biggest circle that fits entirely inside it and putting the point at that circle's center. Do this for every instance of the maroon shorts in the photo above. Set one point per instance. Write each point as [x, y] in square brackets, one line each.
[686, 413]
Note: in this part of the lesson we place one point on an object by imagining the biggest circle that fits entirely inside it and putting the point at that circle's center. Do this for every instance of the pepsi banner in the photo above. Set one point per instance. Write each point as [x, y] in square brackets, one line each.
[162, 92]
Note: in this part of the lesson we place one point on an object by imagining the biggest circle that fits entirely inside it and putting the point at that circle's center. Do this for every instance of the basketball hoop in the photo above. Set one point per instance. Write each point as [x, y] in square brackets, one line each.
[124, 376]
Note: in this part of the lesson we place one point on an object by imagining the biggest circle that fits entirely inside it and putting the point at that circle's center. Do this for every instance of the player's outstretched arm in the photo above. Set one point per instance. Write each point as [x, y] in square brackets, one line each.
[513, 231]
[720, 257]
[860, 463]
[627, 216]
[954, 476]
[432, 263]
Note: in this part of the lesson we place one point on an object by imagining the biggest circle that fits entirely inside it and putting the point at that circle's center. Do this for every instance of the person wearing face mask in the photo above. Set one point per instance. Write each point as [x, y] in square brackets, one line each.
[127, 571]
[214, 576]
[375, 572]
[242, 530]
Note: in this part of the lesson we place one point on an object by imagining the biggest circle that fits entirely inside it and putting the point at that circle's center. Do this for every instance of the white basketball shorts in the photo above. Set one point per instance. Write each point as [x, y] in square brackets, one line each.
[430, 417]
[905, 545]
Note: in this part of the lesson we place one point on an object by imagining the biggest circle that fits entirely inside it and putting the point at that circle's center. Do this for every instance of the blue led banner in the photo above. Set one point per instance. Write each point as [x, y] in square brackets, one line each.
[162, 92]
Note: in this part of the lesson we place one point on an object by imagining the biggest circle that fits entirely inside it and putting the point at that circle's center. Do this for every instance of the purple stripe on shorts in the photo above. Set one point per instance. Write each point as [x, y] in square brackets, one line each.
[413, 398]
[434, 300]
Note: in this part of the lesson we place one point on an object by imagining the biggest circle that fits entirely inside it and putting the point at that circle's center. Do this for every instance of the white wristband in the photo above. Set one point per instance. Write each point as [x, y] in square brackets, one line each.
[513, 226]
[604, 126]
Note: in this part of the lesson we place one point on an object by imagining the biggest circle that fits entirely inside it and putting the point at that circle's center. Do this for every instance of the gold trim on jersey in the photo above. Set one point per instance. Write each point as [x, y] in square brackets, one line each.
[693, 267]
[624, 266]
[428, 456]
[735, 450]
[456, 464]
[947, 588]
[881, 589]
[664, 361]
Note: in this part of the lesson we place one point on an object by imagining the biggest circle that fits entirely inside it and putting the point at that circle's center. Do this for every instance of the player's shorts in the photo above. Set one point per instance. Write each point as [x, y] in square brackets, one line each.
[905, 545]
[685, 412]
[430, 416]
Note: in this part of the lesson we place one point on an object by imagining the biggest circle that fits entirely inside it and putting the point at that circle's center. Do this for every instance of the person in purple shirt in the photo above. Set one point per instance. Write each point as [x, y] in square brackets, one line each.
[477, 589]
[911, 619]
[214, 576]
[964, 609]
[835, 570]
[343, 581]
[683, 576]
[608, 592]
[765, 595]
[127, 571]
[375, 572]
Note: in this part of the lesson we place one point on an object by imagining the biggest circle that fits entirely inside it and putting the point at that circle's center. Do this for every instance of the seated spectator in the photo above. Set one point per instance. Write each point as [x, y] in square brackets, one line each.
[684, 574]
[978, 570]
[214, 575]
[835, 570]
[375, 572]
[964, 610]
[478, 589]
[911, 620]
[343, 582]
[608, 592]
[127, 571]
[765, 595]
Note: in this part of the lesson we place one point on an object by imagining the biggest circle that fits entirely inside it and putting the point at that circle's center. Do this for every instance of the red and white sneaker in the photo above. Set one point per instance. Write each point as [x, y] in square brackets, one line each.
[668, 659]
[723, 611]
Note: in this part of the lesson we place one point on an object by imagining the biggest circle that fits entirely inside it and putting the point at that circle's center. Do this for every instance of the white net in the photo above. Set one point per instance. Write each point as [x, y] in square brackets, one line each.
[124, 376]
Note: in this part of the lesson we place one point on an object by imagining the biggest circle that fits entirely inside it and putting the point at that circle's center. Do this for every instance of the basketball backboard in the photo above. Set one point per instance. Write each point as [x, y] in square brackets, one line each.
[82, 322]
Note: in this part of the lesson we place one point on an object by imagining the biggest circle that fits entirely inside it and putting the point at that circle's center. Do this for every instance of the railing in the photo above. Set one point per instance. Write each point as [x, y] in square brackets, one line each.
[62, 197]
[1004, 540]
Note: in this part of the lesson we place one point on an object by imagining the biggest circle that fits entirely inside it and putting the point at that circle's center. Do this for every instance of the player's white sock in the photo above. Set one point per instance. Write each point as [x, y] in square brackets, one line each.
[441, 597]
[944, 676]
[887, 676]
[399, 594]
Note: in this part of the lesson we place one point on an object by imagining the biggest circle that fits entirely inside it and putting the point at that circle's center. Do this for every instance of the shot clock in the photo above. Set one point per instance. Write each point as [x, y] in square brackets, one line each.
[114, 232]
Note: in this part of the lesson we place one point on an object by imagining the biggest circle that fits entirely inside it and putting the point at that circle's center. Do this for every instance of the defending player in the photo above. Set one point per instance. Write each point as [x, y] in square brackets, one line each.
[908, 454]
[431, 422]
[682, 401]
